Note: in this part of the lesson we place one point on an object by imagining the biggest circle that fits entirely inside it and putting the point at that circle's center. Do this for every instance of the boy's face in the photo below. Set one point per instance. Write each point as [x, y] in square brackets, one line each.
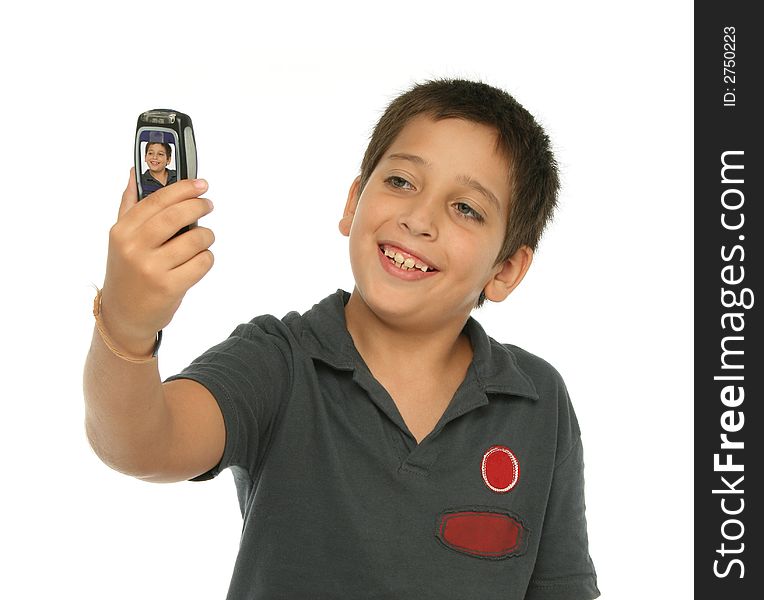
[156, 158]
[442, 193]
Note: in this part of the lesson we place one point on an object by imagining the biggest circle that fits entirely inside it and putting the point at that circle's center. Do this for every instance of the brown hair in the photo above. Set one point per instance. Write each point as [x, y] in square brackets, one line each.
[532, 169]
[165, 145]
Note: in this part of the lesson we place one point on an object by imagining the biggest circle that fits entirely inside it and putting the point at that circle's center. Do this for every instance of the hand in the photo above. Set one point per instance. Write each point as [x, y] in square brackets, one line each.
[147, 273]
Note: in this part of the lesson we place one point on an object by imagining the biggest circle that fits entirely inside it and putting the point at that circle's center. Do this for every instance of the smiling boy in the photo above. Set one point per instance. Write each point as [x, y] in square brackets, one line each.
[430, 198]
[382, 444]
[158, 157]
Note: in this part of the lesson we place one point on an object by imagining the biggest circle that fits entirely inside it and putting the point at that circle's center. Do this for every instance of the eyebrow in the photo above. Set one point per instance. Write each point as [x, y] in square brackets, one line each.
[463, 179]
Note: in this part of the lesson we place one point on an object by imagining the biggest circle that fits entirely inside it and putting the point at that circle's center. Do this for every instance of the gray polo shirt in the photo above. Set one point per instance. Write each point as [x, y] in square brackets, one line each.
[338, 499]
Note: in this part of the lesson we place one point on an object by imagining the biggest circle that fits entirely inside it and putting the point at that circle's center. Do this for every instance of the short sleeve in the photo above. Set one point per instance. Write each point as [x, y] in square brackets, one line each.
[249, 376]
[564, 569]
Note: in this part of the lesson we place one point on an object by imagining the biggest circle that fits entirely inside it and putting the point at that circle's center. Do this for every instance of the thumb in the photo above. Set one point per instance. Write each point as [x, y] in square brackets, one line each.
[130, 195]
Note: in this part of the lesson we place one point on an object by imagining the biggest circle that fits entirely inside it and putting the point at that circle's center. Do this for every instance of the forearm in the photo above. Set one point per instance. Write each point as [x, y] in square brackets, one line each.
[148, 271]
[126, 417]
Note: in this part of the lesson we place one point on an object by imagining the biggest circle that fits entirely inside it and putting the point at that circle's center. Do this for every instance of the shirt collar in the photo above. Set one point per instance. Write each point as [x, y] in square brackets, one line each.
[325, 336]
[171, 176]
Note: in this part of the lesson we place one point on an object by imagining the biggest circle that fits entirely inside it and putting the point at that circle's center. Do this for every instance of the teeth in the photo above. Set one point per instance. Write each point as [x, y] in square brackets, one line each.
[404, 263]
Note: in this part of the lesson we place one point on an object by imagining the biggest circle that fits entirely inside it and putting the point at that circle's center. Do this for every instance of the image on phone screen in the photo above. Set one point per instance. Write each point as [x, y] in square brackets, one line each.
[158, 152]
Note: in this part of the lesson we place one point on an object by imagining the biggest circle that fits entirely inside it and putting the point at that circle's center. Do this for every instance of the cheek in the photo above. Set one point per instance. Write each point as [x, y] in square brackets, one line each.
[478, 253]
[365, 216]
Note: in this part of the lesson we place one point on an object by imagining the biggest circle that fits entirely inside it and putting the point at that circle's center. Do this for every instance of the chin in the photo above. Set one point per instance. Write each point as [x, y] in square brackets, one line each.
[393, 300]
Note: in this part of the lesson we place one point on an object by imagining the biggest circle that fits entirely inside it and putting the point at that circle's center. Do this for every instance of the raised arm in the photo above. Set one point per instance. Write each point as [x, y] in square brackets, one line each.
[134, 423]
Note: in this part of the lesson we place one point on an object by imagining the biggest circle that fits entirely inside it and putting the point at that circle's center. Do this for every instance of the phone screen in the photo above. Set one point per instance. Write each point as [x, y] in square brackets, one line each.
[156, 155]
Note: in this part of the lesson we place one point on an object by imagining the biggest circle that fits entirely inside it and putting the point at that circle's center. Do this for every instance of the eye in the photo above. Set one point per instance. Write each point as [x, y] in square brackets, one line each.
[466, 211]
[397, 182]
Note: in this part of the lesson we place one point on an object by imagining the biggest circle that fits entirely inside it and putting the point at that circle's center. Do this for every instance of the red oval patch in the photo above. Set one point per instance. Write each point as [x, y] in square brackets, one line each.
[482, 533]
[500, 469]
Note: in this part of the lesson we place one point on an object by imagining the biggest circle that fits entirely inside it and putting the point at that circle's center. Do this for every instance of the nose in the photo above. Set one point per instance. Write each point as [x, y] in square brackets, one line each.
[420, 217]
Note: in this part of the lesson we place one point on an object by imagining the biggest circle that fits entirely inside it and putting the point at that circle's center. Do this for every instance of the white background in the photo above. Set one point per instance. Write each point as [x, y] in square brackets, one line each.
[283, 101]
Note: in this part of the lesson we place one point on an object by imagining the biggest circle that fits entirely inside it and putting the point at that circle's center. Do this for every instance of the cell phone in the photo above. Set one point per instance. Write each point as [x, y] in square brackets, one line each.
[165, 150]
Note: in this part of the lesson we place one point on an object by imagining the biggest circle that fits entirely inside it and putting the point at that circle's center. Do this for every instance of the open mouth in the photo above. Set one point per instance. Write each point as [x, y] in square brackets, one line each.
[405, 263]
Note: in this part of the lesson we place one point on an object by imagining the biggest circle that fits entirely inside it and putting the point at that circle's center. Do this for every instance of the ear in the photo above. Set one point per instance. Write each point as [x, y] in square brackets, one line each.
[509, 275]
[347, 217]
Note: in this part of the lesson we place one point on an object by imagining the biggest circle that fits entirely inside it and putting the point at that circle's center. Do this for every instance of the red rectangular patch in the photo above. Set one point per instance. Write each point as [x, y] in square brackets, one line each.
[492, 534]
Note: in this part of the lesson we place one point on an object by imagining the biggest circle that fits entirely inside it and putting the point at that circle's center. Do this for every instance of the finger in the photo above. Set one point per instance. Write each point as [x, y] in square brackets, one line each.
[191, 272]
[174, 193]
[162, 226]
[186, 246]
[129, 196]
[164, 197]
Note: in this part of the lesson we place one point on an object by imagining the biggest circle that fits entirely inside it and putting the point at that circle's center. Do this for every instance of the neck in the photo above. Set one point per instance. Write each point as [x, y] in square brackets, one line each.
[406, 347]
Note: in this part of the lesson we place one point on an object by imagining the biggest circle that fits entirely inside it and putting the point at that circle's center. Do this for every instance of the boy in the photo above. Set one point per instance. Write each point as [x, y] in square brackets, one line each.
[383, 446]
[158, 157]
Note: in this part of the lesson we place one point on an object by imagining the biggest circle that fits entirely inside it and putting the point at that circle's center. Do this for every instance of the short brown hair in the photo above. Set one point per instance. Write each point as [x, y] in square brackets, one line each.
[532, 173]
[165, 145]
